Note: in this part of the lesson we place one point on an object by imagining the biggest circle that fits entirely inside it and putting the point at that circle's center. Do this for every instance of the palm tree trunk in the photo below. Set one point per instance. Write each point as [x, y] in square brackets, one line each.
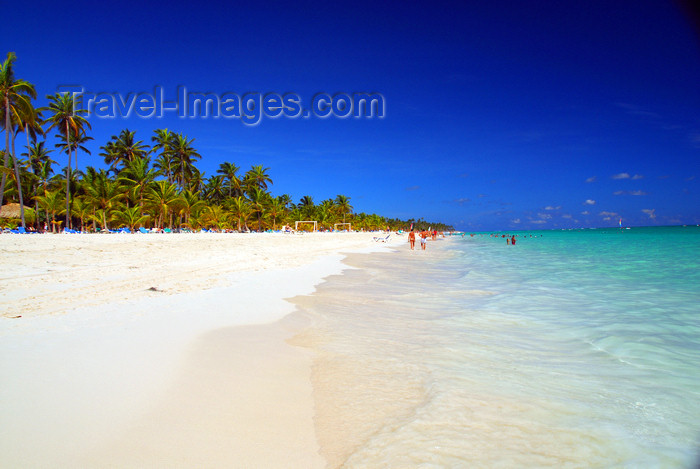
[36, 184]
[48, 220]
[7, 147]
[68, 178]
[19, 183]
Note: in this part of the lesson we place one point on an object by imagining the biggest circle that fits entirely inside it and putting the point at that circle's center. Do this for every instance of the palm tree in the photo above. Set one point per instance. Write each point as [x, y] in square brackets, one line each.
[16, 96]
[306, 205]
[104, 194]
[183, 154]
[275, 211]
[258, 198]
[163, 139]
[52, 203]
[229, 172]
[76, 143]
[214, 189]
[82, 209]
[70, 123]
[215, 216]
[110, 155]
[342, 204]
[195, 180]
[41, 165]
[29, 123]
[241, 210]
[189, 205]
[131, 217]
[137, 176]
[286, 200]
[162, 195]
[257, 177]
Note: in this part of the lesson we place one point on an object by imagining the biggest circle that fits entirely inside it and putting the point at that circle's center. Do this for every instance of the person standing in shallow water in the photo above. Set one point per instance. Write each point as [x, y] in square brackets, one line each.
[512, 240]
[412, 239]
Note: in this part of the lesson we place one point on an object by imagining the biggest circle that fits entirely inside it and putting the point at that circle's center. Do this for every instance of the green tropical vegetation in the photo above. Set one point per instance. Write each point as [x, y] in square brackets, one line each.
[143, 186]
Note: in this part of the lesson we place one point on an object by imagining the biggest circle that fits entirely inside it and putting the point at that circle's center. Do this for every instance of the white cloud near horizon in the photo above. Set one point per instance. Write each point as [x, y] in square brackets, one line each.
[627, 176]
[630, 193]
[650, 212]
[591, 179]
[589, 202]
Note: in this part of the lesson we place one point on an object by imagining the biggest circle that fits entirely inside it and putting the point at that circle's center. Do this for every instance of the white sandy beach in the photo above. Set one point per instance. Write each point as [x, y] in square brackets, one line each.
[121, 350]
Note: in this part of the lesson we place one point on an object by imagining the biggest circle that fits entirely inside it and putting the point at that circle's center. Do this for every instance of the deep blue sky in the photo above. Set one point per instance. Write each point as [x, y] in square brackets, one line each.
[499, 115]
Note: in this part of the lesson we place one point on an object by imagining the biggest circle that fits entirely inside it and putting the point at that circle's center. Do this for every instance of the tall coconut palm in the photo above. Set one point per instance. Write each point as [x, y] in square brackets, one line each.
[214, 189]
[189, 205]
[258, 199]
[342, 204]
[240, 210]
[275, 210]
[215, 216]
[286, 200]
[110, 154]
[306, 205]
[257, 177]
[130, 217]
[232, 182]
[82, 209]
[41, 166]
[70, 123]
[73, 145]
[104, 194]
[52, 202]
[183, 155]
[136, 176]
[162, 141]
[15, 96]
[124, 148]
[162, 195]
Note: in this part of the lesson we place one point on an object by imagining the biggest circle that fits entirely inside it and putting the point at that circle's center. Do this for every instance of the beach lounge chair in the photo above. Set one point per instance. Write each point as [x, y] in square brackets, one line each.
[143, 230]
[381, 240]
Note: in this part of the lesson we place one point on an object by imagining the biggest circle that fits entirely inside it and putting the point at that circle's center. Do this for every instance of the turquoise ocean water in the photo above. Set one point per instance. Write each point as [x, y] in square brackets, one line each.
[569, 349]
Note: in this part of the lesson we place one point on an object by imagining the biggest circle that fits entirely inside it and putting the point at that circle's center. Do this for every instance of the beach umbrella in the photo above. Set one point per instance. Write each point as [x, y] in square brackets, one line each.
[13, 211]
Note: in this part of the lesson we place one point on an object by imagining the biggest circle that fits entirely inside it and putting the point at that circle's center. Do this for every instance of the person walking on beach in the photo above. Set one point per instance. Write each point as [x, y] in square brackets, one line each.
[423, 239]
[412, 239]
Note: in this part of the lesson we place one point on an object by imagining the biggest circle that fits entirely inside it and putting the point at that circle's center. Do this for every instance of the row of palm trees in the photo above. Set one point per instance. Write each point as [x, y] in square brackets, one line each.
[156, 185]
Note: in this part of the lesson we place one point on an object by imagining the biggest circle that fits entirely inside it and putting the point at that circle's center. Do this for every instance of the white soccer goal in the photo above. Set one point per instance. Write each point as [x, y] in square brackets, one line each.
[296, 224]
[335, 226]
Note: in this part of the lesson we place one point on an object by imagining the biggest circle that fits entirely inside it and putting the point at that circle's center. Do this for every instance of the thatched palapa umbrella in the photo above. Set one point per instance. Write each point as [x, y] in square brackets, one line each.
[12, 211]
